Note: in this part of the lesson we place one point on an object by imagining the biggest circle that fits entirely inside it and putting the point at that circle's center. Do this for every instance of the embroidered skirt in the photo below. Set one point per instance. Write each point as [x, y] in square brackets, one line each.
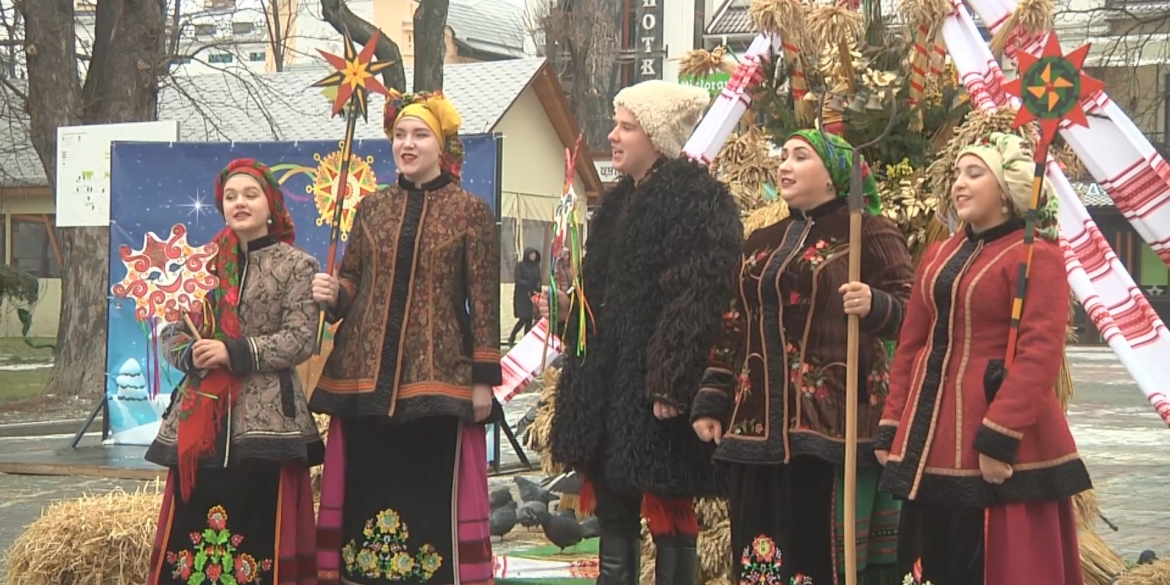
[786, 524]
[404, 503]
[971, 546]
[247, 524]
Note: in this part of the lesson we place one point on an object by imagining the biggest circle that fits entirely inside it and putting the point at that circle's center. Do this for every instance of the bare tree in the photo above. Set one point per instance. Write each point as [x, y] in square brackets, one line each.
[121, 85]
[582, 39]
[430, 44]
[342, 19]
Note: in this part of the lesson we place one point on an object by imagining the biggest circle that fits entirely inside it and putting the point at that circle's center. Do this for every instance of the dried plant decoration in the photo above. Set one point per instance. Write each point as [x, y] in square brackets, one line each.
[701, 63]
[1030, 19]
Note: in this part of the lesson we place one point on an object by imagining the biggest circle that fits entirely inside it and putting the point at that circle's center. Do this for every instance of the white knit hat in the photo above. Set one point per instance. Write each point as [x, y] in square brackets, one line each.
[668, 112]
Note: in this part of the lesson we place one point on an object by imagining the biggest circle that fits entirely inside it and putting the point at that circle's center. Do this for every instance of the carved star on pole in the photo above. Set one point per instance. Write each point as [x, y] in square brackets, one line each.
[353, 76]
[1051, 86]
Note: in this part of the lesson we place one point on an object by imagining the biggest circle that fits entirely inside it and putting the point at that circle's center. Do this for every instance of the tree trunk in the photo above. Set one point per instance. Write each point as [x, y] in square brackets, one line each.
[430, 44]
[121, 86]
[341, 18]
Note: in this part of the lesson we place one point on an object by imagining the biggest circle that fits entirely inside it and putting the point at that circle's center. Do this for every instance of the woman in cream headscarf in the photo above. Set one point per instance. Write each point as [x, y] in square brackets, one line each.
[978, 452]
[408, 383]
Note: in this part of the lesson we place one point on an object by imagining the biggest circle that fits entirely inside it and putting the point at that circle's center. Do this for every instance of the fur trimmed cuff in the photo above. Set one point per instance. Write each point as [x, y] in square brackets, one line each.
[885, 315]
[995, 444]
[883, 439]
[241, 356]
[713, 403]
[489, 373]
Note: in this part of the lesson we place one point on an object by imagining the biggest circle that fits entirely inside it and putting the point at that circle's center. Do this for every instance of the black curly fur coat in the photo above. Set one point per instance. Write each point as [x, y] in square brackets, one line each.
[658, 273]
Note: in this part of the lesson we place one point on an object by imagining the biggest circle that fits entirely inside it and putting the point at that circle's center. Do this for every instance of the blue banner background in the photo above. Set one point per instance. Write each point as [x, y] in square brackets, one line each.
[157, 187]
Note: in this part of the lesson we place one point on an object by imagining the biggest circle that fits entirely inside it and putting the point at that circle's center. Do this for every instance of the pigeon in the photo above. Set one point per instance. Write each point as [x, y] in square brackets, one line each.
[565, 483]
[589, 525]
[531, 491]
[530, 513]
[1147, 557]
[501, 497]
[562, 531]
[526, 421]
[503, 520]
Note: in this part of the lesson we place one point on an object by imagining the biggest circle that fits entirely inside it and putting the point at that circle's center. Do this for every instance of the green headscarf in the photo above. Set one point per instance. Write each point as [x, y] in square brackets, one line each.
[837, 154]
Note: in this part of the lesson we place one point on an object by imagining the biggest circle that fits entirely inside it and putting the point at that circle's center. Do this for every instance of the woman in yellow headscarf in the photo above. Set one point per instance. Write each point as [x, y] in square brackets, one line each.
[408, 383]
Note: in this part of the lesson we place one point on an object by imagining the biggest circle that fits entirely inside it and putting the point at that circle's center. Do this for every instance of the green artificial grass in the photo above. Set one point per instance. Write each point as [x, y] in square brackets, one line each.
[587, 547]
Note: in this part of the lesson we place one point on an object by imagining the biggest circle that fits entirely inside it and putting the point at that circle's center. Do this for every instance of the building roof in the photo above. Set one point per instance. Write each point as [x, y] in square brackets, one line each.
[495, 27]
[731, 18]
[251, 107]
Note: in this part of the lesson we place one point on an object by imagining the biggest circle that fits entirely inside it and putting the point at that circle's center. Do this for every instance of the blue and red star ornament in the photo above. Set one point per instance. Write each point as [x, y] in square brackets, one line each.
[354, 76]
[1051, 87]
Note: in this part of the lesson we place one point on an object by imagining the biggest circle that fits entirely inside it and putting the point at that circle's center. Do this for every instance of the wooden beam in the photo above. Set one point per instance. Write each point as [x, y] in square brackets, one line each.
[49, 227]
[556, 108]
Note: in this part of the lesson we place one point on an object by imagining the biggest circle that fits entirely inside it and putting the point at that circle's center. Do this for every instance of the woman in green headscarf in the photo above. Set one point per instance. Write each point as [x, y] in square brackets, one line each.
[773, 398]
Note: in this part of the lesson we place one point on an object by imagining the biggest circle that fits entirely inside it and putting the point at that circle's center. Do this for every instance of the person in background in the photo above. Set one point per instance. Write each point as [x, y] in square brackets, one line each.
[408, 384]
[564, 270]
[238, 437]
[527, 278]
[983, 456]
[662, 250]
[774, 397]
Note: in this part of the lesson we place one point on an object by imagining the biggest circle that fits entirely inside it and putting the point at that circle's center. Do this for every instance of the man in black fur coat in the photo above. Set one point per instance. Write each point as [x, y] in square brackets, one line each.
[658, 274]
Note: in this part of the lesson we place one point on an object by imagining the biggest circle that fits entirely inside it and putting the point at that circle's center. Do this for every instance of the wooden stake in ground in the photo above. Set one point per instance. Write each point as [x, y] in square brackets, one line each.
[852, 367]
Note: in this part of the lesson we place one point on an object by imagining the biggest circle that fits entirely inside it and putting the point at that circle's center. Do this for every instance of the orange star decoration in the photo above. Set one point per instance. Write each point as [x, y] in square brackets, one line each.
[1051, 87]
[353, 76]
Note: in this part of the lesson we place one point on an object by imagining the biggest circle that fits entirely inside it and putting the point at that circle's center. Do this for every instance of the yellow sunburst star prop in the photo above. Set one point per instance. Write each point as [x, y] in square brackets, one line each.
[354, 76]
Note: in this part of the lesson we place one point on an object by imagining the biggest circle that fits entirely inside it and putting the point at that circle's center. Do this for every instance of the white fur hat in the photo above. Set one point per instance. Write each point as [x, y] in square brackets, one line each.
[668, 112]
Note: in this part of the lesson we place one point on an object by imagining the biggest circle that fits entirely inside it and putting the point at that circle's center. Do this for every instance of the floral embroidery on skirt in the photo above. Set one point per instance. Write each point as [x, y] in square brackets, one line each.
[383, 552]
[761, 562]
[213, 559]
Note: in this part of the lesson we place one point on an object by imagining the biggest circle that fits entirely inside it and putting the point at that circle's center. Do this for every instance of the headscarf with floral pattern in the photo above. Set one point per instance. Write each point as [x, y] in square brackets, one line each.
[837, 155]
[439, 114]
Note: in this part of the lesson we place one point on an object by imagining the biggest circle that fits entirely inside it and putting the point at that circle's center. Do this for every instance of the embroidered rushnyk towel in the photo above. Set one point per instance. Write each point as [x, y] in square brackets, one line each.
[1126, 165]
[1114, 151]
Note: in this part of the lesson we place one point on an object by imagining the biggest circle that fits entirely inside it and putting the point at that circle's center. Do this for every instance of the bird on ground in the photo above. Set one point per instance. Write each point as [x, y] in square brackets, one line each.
[500, 497]
[502, 520]
[562, 531]
[530, 513]
[1147, 557]
[589, 525]
[568, 482]
[530, 491]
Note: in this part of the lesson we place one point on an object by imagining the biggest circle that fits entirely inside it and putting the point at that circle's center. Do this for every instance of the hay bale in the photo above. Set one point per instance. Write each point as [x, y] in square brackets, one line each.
[1153, 574]
[94, 540]
[539, 430]
[1100, 564]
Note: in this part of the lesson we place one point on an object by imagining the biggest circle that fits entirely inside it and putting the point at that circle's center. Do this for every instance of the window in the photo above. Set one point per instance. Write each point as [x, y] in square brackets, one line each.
[204, 30]
[243, 28]
[219, 58]
[34, 246]
[181, 60]
[1152, 272]
[256, 56]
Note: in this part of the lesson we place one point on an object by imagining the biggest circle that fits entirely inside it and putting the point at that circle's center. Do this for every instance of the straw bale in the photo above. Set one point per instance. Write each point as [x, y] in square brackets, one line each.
[1100, 565]
[94, 540]
[1153, 574]
[538, 431]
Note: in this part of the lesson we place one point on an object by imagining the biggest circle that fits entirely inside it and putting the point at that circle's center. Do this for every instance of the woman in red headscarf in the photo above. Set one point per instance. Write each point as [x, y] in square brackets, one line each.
[238, 437]
[408, 384]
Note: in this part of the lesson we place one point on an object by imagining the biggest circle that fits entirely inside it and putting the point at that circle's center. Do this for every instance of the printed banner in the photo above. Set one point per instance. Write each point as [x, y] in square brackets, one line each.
[163, 212]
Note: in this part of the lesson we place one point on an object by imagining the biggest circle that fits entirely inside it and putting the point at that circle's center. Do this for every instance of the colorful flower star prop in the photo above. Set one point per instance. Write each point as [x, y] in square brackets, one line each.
[1051, 87]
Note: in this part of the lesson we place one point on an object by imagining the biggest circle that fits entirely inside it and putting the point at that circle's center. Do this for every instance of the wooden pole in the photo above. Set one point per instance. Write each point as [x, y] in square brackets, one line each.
[852, 368]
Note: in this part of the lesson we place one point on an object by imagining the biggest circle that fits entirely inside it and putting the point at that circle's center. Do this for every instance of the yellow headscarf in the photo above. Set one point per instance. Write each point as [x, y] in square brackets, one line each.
[438, 113]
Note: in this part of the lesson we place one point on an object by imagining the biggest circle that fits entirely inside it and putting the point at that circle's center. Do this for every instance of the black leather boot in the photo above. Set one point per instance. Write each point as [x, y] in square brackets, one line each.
[619, 560]
[676, 561]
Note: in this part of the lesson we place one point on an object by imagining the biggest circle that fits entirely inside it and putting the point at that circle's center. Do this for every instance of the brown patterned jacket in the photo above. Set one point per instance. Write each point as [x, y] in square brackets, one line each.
[777, 380]
[270, 419]
[419, 305]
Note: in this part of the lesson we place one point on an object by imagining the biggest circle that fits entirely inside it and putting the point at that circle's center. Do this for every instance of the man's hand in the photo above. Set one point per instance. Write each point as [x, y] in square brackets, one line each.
[708, 429]
[994, 470]
[210, 353]
[663, 411]
[562, 301]
[481, 401]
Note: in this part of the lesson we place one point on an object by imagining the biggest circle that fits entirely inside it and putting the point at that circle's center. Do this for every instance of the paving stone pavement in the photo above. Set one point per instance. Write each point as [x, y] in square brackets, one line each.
[1124, 444]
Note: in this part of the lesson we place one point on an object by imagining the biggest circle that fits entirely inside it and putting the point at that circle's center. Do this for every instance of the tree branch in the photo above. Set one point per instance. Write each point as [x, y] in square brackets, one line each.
[341, 18]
